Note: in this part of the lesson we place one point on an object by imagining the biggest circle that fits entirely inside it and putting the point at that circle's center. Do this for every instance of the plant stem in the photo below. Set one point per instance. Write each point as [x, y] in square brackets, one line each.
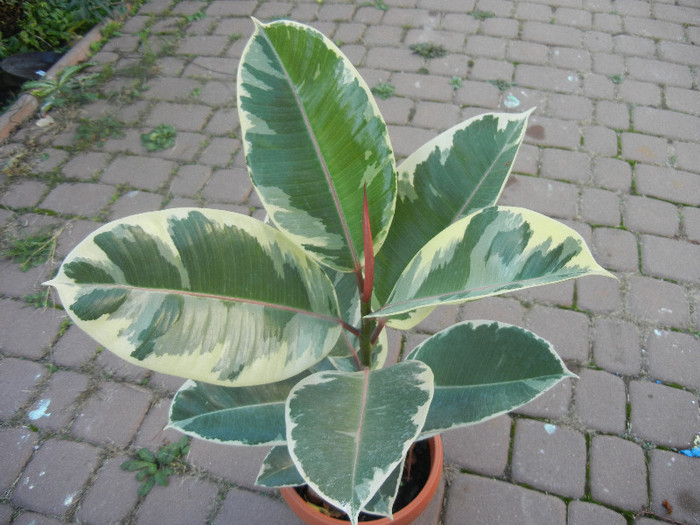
[366, 334]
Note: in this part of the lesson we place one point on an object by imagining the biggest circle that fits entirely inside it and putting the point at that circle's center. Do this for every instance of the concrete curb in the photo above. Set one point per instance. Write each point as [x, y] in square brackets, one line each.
[26, 105]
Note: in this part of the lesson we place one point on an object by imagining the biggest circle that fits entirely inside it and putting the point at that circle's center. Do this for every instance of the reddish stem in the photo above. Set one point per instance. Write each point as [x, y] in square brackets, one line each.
[369, 252]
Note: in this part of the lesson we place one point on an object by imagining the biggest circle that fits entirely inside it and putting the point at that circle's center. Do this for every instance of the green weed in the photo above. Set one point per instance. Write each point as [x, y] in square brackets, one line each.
[429, 50]
[96, 132]
[32, 250]
[155, 468]
[384, 90]
[502, 85]
[481, 15]
[68, 86]
[379, 4]
[40, 299]
[456, 82]
[159, 138]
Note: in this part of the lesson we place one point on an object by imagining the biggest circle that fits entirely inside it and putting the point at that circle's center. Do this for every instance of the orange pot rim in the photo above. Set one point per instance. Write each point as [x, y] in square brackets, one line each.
[404, 516]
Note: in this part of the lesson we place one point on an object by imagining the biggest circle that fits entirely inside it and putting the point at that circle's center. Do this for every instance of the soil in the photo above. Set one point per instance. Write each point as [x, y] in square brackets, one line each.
[415, 475]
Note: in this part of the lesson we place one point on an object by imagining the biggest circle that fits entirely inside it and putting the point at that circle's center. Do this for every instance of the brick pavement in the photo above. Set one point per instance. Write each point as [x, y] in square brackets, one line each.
[612, 150]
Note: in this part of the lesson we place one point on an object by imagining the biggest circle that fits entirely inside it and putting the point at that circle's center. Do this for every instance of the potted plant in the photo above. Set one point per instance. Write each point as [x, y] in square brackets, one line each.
[281, 328]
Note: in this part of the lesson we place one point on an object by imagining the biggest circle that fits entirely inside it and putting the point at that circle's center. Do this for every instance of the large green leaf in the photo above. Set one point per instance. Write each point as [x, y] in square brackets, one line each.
[209, 295]
[247, 415]
[278, 470]
[483, 369]
[313, 138]
[496, 250]
[455, 174]
[347, 432]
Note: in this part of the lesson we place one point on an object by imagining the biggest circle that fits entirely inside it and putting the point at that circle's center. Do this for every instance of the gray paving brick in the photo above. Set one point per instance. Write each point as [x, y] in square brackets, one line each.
[683, 100]
[642, 93]
[585, 513]
[254, 509]
[674, 357]
[615, 249]
[598, 86]
[188, 500]
[612, 174]
[570, 166]
[551, 34]
[667, 123]
[543, 77]
[111, 496]
[646, 215]
[481, 448]
[49, 160]
[189, 180]
[32, 518]
[17, 445]
[494, 502]
[663, 415]
[651, 28]
[393, 59]
[549, 457]
[228, 185]
[601, 401]
[112, 366]
[600, 140]
[570, 107]
[406, 140]
[552, 404]
[631, 45]
[219, 152]
[617, 347]
[571, 59]
[203, 45]
[172, 88]
[23, 194]
[600, 207]
[436, 116]
[85, 166]
[497, 308]
[687, 155]
[672, 479]
[533, 11]
[598, 295]
[134, 202]
[16, 283]
[553, 198]
[669, 258]
[145, 173]
[223, 122]
[83, 199]
[658, 302]
[566, 330]
[54, 478]
[74, 348]
[491, 69]
[26, 331]
[217, 93]
[618, 473]
[185, 117]
[668, 184]
[424, 87]
[152, 432]
[612, 114]
[609, 22]
[239, 465]
[639, 147]
[598, 42]
[396, 110]
[112, 414]
[553, 132]
[502, 27]
[54, 409]
[691, 223]
[659, 72]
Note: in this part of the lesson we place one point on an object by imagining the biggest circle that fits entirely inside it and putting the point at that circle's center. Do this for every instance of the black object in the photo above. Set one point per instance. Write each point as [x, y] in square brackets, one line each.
[28, 65]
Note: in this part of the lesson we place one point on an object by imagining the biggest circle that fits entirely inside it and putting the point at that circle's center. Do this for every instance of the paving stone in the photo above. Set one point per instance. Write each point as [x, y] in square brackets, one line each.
[658, 302]
[585, 513]
[480, 94]
[670, 124]
[674, 357]
[618, 473]
[565, 329]
[549, 457]
[643, 93]
[659, 72]
[600, 207]
[31, 518]
[481, 448]
[668, 184]
[646, 215]
[166, 382]
[643, 148]
[406, 140]
[552, 198]
[152, 432]
[49, 160]
[566, 165]
[425, 87]
[228, 185]
[552, 404]
[74, 348]
[663, 415]
[651, 28]
[612, 174]
[16, 283]
[85, 166]
[672, 479]
[24, 194]
[26, 331]
[494, 502]
[557, 133]
[691, 223]
[134, 202]
[113, 366]
[54, 478]
[542, 77]
[184, 500]
[658, 252]
[598, 295]
[683, 100]
[598, 86]
[239, 465]
[219, 152]
[571, 59]
[224, 121]
[146, 173]
[527, 52]
[616, 347]
[601, 401]
[615, 249]
[112, 414]
[185, 117]
[218, 93]
[436, 116]
[54, 409]
[189, 179]
[551, 34]
[17, 445]
[83, 199]
[612, 114]
[254, 509]
[600, 140]
[393, 59]
[500, 309]
[439, 319]
[112, 495]
[396, 110]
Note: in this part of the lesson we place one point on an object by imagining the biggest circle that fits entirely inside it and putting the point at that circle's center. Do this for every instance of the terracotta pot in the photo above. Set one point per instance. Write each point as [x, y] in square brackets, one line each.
[405, 516]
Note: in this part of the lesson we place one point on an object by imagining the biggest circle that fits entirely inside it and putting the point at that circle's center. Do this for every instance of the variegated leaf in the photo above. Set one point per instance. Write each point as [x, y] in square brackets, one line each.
[497, 250]
[461, 171]
[484, 369]
[247, 415]
[278, 470]
[383, 501]
[347, 432]
[313, 138]
[210, 295]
